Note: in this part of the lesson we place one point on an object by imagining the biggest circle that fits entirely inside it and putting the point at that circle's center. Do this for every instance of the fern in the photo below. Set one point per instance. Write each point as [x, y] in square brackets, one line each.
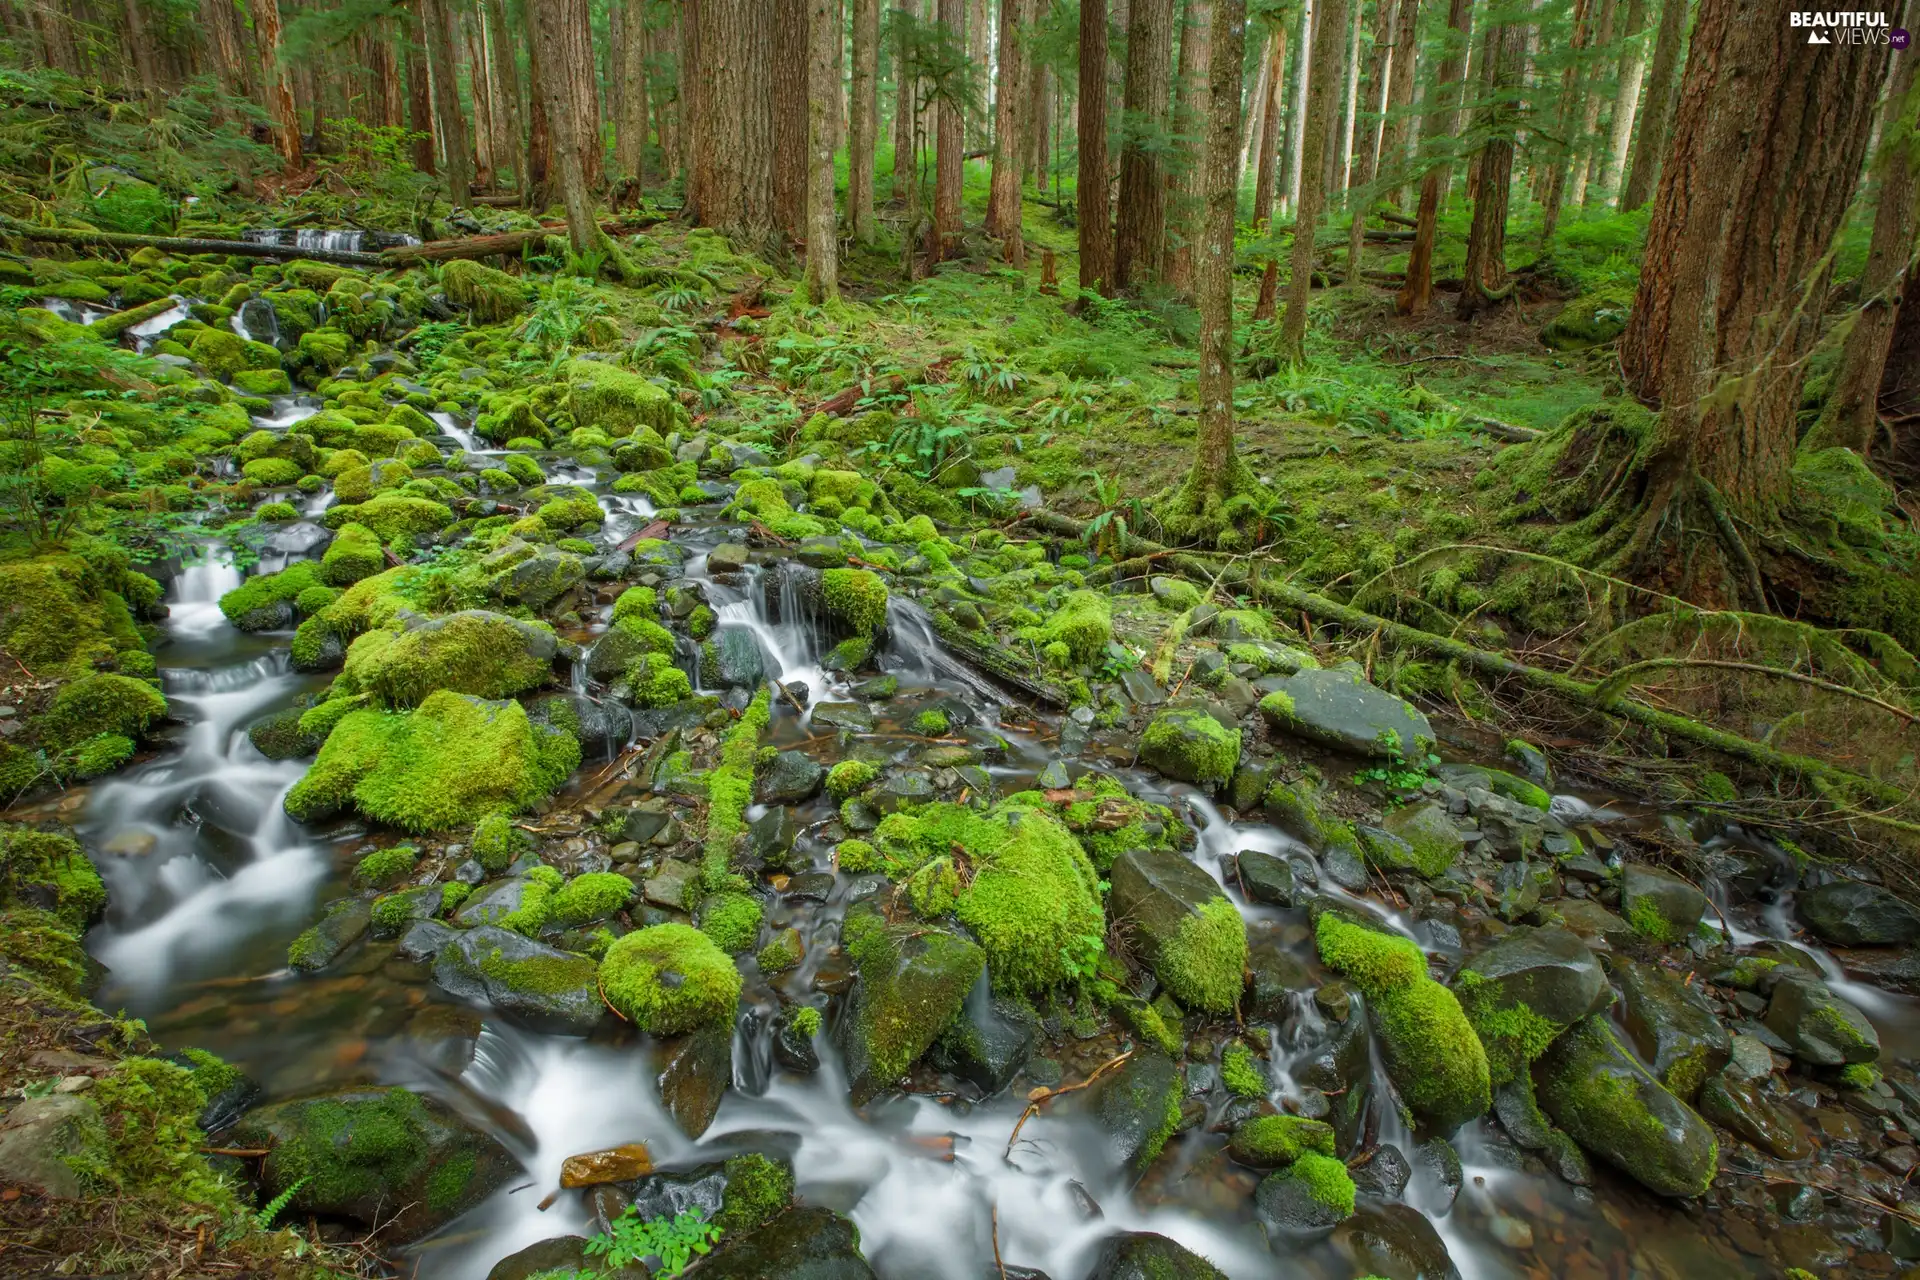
[273, 1208]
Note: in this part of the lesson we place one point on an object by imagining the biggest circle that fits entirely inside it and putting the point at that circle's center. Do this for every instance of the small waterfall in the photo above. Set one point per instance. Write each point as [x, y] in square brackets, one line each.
[451, 426]
[913, 651]
[194, 603]
[788, 634]
[328, 241]
[148, 331]
[286, 411]
[75, 312]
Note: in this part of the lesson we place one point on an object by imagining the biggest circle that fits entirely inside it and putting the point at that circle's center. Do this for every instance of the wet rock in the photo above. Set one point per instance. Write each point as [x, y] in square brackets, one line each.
[843, 715]
[1188, 744]
[536, 985]
[791, 777]
[1141, 687]
[1519, 888]
[1526, 978]
[1386, 1175]
[668, 886]
[1672, 1026]
[728, 557]
[603, 728]
[1850, 914]
[793, 1046]
[40, 1136]
[494, 905]
[1276, 975]
[1137, 1105]
[1251, 781]
[279, 736]
[540, 579]
[987, 1044]
[803, 1243]
[1432, 842]
[694, 1072]
[1816, 1025]
[1143, 1255]
[738, 662]
[1437, 1176]
[1182, 924]
[1266, 877]
[560, 1254]
[1496, 781]
[1738, 1105]
[611, 1164]
[1339, 709]
[342, 926]
[1613, 1107]
[1303, 1201]
[913, 981]
[1659, 905]
[396, 912]
[375, 1156]
[1394, 1240]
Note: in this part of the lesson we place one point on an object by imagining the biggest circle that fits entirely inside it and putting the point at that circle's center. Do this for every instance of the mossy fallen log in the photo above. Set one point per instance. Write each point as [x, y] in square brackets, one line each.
[186, 245]
[1002, 664]
[120, 321]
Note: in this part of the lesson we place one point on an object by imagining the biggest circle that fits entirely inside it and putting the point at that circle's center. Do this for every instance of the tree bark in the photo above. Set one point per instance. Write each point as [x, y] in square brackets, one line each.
[863, 124]
[1850, 415]
[419, 93]
[505, 77]
[1095, 212]
[696, 121]
[1417, 292]
[1303, 73]
[1485, 274]
[735, 48]
[1342, 172]
[1187, 210]
[143, 61]
[583, 93]
[906, 109]
[1367, 149]
[1265, 174]
[1396, 128]
[950, 144]
[1329, 42]
[1560, 153]
[451, 125]
[547, 21]
[1254, 115]
[630, 129]
[1140, 234]
[1662, 78]
[1009, 100]
[822, 279]
[790, 115]
[470, 42]
[1589, 115]
[276, 84]
[1633, 63]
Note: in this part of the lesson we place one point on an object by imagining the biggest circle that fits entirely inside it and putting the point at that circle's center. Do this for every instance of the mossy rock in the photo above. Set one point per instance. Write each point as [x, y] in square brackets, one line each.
[669, 979]
[1189, 745]
[266, 602]
[855, 599]
[444, 765]
[1083, 623]
[354, 553]
[1181, 923]
[488, 655]
[1272, 1142]
[1589, 320]
[97, 704]
[804, 1243]
[549, 990]
[53, 871]
[1144, 1255]
[489, 296]
[1428, 841]
[912, 982]
[1138, 1106]
[62, 613]
[1524, 989]
[626, 406]
[384, 1157]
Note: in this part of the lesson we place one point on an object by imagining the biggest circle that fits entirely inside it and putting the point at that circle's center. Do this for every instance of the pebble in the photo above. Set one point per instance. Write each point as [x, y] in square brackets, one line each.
[1510, 1231]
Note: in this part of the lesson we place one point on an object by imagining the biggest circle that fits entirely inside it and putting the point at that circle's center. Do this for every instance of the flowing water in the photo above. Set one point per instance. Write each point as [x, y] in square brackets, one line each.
[210, 881]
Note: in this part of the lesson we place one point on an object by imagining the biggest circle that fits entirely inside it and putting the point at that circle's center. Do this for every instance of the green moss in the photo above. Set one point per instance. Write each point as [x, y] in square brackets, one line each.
[354, 553]
[276, 512]
[585, 898]
[98, 755]
[1644, 918]
[850, 777]
[670, 978]
[785, 952]
[1326, 1179]
[637, 602]
[484, 654]
[384, 868]
[452, 894]
[1377, 962]
[1513, 1035]
[1268, 1142]
[806, 1021]
[1189, 744]
[932, 722]
[339, 1152]
[446, 764]
[730, 789]
[856, 599]
[392, 514]
[149, 1109]
[1240, 1071]
[626, 406]
[56, 868]
[55, 611]
[251, 606]
[1860, 1075]
[1083, 622]
[99, 704]
[1156, 1141]
[731, 919]
[857, 857]
[489, 296]
[664, 685]
[934, 888]
[757, 1190]
[272, 472]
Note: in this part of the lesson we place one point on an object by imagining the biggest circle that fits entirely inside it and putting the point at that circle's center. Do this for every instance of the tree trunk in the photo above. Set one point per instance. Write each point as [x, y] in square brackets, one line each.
[950, 145]
[1187, 208]
[1766, 151]
[630, 130]
[505, 78]
[541, 173]
[977, 41]
[1661, 81]
[1265, 174]
[822, 281]
[1417, 292]
[696, 119]
[1218, 474]
[906, 109]
[1367, 149]
[1485, 274]
[547, 21]
[1095, 212]
[1009, 135]
[1141, 231]
[1560, 154]
[735, 48]
[1900, 389]
[1851, 413]
[583, 93]
[1633, 62]
[451, 125]
[790, 116]
[483, 125]
[1350, 118]
[276, 84]
[419, 94]
[1329, 41]
[143, 50]
[1255, 113]
[1303, 72]
[1391, 166]
[217, 17]
[1589, 115]
[863, 124]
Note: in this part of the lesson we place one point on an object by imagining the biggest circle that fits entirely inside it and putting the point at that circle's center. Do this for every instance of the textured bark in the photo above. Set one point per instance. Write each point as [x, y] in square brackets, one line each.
[977, 39]
[1009, 135]
[1766, 151]
[450, 124]
[906, 110]
[1589, 115]
[419, 93]
[1139, 240]
[1266, 173]
[1191, 112]
[1095, 212]
[223, 43]
[1341, 172]
[863, 122]
[547, 22]
[470, 44]
[1633, 63]
[790, 108]
[823, 88]
[1255, 113]
[1484, 277]
[1662, 79]
[541, 173]
[1417, 292]
[56, 38]
[277, 86]
[1850, 416]
[735, 51]
[1373, 88]
[1396, 130]
[575, 75]
[1303, 73]
[1555, 195]
[950, 144]
[505, 78]
[1329, 47]
[1900, 389]
[143, 60]
[630, 127]
[696, 120]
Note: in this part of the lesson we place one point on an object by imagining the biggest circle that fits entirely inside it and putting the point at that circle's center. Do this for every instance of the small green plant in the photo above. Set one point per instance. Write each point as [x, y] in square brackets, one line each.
[674, 1241]
[1399, 774]
[272, 1208]
[1080, 957]
[1107, 531]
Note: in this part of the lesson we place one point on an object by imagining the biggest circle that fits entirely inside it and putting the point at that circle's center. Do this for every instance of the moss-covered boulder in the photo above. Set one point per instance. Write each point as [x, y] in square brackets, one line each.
[1144, 1255]
[1524, 989]
[382, 1157]
[1272, 1142]
[1308, 1198]
[1589, 320]
[803, 1243]
[1188, 744]
[1817, 1025]
[1338, 708]
[541, 987]
[1427, 1045]
[1614, 1108]
[624, 404]
[912, 981]
[266, 602]
[1427, 841]
[488, 655]
[1082, 626]
[354, 553]
[669, 979]
[279, 736]
[446, 764]
[1658, 904]
[1847, 913]
[102, 703]
[490, 296]
[1138, 1106]
[64, 613]
[52, 871]
[1181, 923]
[855, 599]
[392, 514]
[1672, 1026]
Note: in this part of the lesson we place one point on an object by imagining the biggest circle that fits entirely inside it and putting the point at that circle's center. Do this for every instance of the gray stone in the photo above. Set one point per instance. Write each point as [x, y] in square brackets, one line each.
[1550, 971]
[987, 1044]
[1266, 877]
[728, 557]
[541, 579]
[1816, 1025]
[792, 776]
[342, 925]
[1672, 1026]
[843, 715]
[1850, 914]
[1340, 709]
[1143, 1255]
[1289, 1211]
[1659, 905]
[912, 982]
[423, 939]
[1738, 1105]
[40, 1135]
[1394, 1240]
[536, 985]
[803, 1243]
[668, 885]
[1132, 1105]
[494, 905]
[1155, 894]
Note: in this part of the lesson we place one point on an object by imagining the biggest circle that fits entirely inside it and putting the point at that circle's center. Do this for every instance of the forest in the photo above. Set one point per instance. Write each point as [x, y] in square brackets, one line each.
[959, 639]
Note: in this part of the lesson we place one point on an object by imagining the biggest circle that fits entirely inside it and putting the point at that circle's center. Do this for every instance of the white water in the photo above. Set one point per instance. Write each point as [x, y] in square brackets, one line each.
[287, 410]
[449, 425]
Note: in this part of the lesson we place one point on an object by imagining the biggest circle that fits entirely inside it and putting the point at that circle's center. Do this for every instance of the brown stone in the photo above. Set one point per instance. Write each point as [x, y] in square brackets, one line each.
[615, 1164]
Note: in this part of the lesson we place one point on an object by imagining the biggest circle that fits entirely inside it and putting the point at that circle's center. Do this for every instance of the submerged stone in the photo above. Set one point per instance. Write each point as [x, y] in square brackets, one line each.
[1138, 1106]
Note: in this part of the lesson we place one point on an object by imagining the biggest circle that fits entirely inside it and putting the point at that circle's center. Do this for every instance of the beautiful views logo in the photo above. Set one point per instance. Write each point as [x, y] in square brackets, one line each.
[1846, 28]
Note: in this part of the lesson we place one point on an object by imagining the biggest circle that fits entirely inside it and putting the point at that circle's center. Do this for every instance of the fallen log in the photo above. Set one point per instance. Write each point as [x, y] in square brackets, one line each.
[506, 242]
[186, 245]
[995, 660]
[120, 321]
